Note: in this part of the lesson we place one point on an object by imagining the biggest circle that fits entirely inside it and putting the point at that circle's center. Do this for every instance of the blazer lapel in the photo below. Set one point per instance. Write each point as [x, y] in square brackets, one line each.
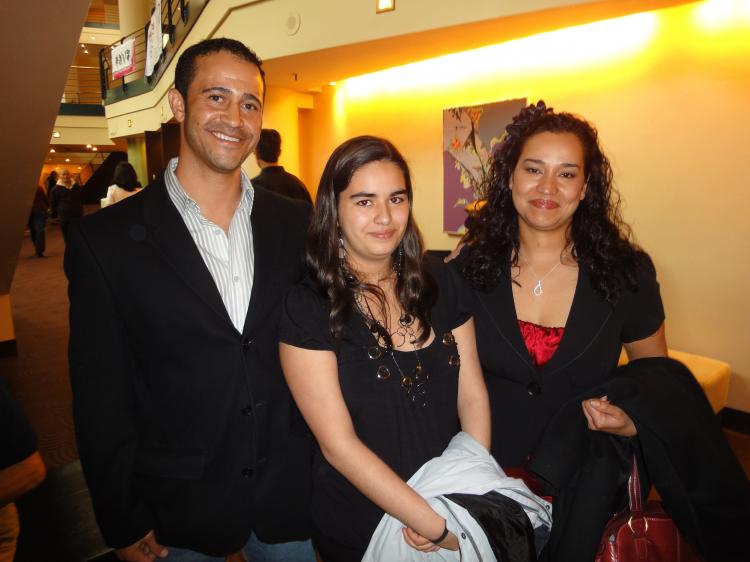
[588, 316]
[265, 250]
[170, 237]
[499, 307]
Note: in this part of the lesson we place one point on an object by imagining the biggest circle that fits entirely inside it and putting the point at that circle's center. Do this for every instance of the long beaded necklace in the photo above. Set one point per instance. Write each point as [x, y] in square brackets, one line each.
[415, 385]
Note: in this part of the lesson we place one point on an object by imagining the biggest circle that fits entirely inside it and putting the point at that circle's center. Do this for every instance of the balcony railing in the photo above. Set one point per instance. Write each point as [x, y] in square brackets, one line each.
[177, 18]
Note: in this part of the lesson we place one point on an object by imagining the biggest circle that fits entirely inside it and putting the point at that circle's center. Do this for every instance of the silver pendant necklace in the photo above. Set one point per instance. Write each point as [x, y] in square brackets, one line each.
[537, 290]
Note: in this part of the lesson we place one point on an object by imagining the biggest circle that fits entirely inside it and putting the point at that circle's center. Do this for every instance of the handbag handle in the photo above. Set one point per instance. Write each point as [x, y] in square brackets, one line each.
[637, 522]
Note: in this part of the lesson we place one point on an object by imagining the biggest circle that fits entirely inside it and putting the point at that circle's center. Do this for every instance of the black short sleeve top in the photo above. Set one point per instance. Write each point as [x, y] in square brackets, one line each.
[400, 431]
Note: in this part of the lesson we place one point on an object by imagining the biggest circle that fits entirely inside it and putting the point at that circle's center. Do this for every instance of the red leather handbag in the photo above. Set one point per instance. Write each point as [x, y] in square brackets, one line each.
[643, 534]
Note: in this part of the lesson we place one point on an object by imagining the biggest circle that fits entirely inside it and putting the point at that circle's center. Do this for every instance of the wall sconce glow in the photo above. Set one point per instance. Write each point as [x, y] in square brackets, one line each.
[573, 47]
[52, 150]
[714, 14]
[88, 146]
[94, 149]
[384, 6]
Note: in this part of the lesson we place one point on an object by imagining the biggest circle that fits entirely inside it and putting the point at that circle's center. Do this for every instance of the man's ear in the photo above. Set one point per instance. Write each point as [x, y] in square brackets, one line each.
[177, 104]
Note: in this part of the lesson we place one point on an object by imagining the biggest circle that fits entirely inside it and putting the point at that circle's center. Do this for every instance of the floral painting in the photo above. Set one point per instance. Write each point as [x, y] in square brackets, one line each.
[469, 137]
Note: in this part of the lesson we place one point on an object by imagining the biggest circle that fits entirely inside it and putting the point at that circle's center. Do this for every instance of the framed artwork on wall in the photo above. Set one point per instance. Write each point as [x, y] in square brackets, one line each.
[470, 134]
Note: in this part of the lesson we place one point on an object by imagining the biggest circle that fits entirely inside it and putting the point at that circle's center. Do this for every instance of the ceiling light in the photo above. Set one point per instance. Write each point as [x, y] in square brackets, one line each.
[52, 150]
[85, 51]
[88, 146]
[67, 159]
[93, 38]
[83, 46]
[79, 167]
[56, 134]
[94, 149]
[331, 83]
[384, 6]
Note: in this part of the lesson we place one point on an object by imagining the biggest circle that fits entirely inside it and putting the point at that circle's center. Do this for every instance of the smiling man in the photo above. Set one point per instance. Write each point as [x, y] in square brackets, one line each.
[191, 445]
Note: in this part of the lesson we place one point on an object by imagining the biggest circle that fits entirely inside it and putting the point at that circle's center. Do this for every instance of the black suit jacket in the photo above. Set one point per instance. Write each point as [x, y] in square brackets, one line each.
[184, 425]
[587, 354]
[278, 180]
[682, 451]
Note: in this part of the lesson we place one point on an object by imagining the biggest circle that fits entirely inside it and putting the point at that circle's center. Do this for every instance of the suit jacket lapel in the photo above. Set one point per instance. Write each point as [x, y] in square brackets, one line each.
[588, 316]
[499, 306]
[168, 234]
[265, 251]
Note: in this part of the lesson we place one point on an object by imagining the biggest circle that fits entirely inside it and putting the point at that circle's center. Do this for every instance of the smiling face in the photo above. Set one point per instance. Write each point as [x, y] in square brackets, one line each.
[373, 214]
[548, 181]
[221, 117]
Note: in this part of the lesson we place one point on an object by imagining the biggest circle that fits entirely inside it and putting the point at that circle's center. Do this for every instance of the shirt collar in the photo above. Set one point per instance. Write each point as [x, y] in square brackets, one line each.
[185, 204]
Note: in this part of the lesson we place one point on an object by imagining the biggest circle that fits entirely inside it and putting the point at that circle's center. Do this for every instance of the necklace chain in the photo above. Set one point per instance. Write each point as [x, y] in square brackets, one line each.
[414, 385]
[538, 291]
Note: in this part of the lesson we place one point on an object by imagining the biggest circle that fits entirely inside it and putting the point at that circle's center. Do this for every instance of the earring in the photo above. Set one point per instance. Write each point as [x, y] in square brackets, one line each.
[398, 263]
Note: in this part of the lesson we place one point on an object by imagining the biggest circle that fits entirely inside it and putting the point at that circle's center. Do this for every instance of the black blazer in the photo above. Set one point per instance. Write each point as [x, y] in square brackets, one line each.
[588, 352]
[183, 424]
[682, 451]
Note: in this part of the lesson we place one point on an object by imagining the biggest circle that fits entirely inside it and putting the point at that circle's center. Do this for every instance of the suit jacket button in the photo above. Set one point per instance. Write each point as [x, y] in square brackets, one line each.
[247, 343]
[247, 472]
[247, 410]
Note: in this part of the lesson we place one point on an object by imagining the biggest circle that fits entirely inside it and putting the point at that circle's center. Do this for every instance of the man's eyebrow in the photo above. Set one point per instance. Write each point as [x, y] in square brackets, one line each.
[227, 91]
[564, 164]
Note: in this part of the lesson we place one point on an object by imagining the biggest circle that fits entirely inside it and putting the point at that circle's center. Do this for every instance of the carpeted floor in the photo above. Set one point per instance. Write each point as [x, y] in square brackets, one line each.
[57, 520]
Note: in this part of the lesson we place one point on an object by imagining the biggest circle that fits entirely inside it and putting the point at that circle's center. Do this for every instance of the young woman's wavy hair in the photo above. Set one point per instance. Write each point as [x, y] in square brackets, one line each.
[601, 242]
[415, 288]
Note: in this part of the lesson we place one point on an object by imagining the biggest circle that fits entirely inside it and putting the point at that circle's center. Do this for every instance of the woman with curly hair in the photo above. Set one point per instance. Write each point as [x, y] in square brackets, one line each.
[560, 287]
[379, 355]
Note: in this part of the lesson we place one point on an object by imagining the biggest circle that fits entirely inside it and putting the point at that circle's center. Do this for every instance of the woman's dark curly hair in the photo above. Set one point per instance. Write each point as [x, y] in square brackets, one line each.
[601, 242]
[415, 288]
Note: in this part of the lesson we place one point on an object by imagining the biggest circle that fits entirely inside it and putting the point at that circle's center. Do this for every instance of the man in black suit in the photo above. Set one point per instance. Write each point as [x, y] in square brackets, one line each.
[272, 176]
[189, 439]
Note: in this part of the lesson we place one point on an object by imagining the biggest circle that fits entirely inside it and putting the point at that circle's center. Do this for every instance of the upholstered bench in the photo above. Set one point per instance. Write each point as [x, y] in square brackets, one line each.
[712, 374]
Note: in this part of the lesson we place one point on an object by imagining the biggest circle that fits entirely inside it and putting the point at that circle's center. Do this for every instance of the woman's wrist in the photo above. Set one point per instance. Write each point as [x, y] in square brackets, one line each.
[444, 534]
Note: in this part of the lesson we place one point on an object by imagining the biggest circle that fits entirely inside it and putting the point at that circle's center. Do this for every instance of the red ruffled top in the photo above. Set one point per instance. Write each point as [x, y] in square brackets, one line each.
[541, 341]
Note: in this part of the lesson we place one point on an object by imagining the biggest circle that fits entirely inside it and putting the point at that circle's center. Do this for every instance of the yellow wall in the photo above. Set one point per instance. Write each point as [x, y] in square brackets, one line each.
[669, 92]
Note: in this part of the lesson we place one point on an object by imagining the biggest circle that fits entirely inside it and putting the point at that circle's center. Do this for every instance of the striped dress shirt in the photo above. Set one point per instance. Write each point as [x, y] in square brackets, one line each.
[229, 257]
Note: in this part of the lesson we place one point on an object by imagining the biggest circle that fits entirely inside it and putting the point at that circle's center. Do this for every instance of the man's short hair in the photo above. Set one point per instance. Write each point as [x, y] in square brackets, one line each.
[185, 71]
[269, 146]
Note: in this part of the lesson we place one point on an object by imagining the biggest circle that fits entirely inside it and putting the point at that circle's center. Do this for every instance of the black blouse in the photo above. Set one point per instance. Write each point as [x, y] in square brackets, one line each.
[524, 398]
[402, 432]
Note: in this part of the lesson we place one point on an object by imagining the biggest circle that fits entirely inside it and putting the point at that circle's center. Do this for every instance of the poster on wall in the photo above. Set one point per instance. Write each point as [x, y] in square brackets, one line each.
[123, 59]
[153, 39]
[470, 134]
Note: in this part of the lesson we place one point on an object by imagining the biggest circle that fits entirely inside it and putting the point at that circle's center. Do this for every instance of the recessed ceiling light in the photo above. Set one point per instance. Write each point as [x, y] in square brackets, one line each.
[88, 146]
[52, 150]
[94, 149]
[67, 159]
[384, 6]
[56, 134]
[93, 38]
[85, 51]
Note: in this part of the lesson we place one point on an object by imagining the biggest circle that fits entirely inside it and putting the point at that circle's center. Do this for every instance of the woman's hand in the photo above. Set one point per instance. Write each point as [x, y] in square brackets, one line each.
[606, 417]
[422, 544]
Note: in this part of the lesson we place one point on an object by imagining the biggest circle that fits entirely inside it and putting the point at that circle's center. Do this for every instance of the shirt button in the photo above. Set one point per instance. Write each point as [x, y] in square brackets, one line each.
[236, 278]
[463, 535]
[217, 231]
[247, 343]
[247, 472]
